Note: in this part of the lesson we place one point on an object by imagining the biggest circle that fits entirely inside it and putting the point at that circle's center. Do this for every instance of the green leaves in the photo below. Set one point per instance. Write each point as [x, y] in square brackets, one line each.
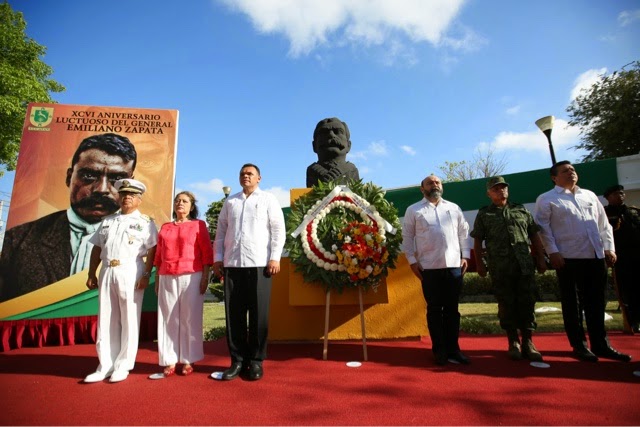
[24, 78]
[329, 227]
[211, 216]
[608, 114]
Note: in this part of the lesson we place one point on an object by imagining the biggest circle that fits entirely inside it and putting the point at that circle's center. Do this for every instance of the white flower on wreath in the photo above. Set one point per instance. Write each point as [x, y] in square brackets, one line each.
[331, 258]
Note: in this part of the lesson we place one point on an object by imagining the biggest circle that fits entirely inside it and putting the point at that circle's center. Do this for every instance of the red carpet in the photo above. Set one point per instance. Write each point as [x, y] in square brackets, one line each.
[399, 385]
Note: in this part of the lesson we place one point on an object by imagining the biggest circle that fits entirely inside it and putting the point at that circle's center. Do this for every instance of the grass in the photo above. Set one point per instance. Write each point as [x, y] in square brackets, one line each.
[477, 318]
[213, 315]
[482, 318]
[214, 321]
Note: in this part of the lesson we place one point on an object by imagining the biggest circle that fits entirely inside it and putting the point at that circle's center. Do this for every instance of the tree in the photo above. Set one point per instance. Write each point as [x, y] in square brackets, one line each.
[24, 78]
[211, 216]
[482, 165]
[608, 114]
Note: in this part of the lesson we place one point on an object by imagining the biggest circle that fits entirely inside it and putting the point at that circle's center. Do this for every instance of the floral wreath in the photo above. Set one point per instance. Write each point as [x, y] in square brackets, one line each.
[343, 236]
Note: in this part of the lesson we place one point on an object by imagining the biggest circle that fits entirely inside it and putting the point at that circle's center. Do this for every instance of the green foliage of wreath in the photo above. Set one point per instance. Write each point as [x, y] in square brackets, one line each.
[329, 229]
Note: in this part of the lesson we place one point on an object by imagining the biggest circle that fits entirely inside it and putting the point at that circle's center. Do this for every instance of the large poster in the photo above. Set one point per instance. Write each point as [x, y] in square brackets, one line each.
[69, 158]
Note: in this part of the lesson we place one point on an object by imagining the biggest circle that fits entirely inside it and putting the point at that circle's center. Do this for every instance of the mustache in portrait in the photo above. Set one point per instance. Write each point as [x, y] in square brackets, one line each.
[96, 199]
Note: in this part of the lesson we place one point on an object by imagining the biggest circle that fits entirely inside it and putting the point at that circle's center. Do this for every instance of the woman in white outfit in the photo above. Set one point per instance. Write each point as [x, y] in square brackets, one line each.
[183, 258]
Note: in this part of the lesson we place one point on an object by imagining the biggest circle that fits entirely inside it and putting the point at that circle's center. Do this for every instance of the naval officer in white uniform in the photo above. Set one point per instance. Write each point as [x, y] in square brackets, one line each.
[121, 242]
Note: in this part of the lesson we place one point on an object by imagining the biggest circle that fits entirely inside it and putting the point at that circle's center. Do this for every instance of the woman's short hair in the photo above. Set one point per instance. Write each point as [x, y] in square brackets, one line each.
[194, 212]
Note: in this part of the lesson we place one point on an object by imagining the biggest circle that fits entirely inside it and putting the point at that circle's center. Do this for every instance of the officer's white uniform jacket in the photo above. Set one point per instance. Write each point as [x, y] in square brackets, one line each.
[125, 238]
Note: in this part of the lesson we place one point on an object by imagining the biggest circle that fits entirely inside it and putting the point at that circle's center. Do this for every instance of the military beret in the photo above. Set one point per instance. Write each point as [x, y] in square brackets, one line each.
[130, 186]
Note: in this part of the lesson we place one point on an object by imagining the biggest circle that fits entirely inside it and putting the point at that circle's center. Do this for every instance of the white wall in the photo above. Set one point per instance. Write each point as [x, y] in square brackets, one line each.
[629, 177]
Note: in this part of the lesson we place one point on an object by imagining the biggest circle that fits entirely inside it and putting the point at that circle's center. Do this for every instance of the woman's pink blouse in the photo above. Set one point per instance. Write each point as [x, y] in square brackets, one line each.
[183, 248]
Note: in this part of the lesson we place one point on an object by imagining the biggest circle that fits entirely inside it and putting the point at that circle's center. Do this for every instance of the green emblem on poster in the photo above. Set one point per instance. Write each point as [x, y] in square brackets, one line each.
[41, 116]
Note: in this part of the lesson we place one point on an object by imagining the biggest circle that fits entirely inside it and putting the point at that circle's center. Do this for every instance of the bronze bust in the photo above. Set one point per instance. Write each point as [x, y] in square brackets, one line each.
[331, 142]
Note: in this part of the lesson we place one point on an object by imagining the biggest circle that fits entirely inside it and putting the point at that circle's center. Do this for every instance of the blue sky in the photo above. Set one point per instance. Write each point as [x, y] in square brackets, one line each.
[418, 82]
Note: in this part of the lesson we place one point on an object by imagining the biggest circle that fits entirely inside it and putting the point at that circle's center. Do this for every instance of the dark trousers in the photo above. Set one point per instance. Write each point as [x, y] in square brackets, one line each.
[582, 288]
[441, 289]
[247, 292]
[629, 286]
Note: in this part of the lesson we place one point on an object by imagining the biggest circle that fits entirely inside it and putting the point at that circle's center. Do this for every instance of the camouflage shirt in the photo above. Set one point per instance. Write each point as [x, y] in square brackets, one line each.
[506, 232]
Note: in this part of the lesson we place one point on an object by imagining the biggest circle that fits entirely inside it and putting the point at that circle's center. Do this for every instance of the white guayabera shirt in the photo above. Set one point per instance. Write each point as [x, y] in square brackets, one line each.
[251, 230]
[436, 236]
[574, 224]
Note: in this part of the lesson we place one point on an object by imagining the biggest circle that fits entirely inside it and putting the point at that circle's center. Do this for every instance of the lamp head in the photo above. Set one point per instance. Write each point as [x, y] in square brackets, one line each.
[226, 190]
[546, 123]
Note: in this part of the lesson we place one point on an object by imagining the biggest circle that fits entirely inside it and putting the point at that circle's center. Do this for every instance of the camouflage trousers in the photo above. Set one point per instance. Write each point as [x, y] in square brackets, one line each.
[516, 295]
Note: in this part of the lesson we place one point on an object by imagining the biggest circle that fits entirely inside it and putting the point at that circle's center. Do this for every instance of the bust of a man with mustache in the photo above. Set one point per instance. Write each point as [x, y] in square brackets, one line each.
[331, 142]
[51, 248]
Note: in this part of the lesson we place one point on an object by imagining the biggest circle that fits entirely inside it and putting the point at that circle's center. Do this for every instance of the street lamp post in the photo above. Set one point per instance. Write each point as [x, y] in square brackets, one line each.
[545, 124]
[226, 190]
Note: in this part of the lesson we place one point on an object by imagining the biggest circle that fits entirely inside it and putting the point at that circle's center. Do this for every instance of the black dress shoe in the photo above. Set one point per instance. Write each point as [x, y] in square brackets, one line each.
[232, 372]
[610, 353]
[584, 354]
[459, 357]
[255, 371]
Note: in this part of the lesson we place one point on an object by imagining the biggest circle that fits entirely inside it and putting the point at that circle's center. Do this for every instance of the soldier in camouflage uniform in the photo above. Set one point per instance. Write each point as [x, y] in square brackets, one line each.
[508, 231]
